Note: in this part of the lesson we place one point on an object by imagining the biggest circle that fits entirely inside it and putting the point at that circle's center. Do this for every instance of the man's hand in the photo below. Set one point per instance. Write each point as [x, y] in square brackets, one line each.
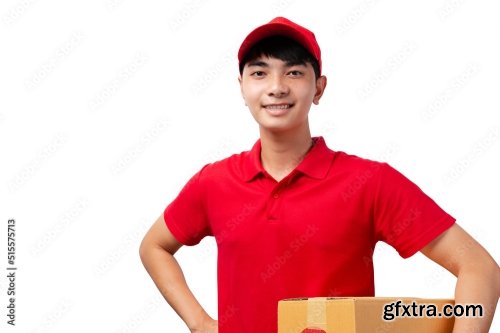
[208, 326]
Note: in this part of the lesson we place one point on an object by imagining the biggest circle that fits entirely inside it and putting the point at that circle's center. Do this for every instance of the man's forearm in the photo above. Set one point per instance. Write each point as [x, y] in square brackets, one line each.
[168, 277]
[477, 286]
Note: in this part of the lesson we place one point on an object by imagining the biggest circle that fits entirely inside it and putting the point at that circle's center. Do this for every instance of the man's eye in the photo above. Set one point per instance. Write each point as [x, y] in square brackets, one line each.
[257, 73]
[295, 73]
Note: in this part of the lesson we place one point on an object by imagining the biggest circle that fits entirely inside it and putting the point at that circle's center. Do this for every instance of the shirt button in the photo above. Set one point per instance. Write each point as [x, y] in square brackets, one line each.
[276, 195]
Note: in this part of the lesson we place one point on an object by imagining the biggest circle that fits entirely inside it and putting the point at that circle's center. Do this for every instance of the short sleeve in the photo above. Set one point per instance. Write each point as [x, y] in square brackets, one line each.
[404, 216]
[186, 216]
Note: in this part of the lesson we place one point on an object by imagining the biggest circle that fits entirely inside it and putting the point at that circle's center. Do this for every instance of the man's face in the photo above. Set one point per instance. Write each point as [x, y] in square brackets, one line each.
[279, 94]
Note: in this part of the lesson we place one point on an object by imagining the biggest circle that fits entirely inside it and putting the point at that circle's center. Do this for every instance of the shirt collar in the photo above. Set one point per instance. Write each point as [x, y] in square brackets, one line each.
[315, 164]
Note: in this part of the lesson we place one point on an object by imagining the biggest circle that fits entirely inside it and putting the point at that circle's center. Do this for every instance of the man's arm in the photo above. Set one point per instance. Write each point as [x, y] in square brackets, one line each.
[157, 254]
[477, 272]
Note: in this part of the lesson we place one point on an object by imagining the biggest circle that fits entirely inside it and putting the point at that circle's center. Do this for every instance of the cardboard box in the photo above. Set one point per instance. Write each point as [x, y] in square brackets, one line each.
[363, 315]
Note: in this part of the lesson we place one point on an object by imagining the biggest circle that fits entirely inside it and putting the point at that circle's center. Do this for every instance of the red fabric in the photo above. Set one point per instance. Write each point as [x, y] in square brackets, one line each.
[310, 235]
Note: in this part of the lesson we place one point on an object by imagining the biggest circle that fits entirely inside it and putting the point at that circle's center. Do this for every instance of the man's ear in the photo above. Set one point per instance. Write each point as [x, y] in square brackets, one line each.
[320, 89]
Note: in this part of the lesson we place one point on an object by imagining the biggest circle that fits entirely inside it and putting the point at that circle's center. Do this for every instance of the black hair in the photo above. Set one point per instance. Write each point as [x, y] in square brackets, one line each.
[283, 48]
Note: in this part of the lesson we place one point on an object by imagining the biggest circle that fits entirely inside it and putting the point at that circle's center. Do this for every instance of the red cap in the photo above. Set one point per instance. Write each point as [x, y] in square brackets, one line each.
[282, 27]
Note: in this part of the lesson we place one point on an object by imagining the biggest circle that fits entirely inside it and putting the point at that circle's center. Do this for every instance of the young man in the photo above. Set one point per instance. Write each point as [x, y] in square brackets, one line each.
[293, 218]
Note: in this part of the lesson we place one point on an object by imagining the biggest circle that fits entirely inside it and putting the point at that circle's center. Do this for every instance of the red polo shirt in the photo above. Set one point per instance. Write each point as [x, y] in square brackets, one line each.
[311, 234]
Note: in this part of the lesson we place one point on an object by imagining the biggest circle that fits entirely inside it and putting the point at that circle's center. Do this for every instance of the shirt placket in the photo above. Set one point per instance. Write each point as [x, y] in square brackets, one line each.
[276, 197]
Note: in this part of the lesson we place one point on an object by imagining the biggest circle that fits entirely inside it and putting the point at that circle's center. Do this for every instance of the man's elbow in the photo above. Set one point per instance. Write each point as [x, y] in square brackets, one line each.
[496, 277]
[493, 271]
[144, 249]
[488, 271]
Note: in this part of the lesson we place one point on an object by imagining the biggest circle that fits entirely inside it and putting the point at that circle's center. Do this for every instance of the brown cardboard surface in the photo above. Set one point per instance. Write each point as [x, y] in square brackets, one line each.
[357, 315]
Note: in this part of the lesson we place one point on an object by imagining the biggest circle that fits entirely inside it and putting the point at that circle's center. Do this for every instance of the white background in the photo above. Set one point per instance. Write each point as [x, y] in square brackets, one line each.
[108, 107]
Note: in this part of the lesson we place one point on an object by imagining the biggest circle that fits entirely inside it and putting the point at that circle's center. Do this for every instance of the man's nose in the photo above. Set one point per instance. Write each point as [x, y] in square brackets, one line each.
[278, 87]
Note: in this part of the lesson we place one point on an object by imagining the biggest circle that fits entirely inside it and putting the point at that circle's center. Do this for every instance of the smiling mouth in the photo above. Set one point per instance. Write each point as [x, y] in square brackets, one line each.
[278, 106]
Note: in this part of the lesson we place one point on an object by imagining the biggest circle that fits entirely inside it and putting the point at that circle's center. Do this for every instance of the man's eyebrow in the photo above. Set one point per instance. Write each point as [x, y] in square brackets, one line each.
[262, 63]
[295, 63]
[259, 63]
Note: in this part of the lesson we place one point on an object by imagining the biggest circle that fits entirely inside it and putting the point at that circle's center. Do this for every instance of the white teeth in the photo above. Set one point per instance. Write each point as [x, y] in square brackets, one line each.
[278, 107]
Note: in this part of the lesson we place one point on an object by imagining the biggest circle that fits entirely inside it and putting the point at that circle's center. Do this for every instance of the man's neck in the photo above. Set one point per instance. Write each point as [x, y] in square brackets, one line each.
[282, 152]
